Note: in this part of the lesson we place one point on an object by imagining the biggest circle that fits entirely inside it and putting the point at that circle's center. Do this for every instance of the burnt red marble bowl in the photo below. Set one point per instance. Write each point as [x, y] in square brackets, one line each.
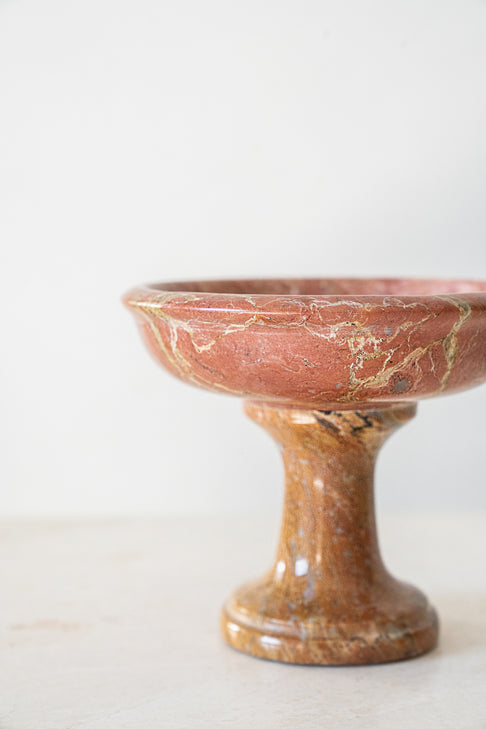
[318, 343]
[330, 367]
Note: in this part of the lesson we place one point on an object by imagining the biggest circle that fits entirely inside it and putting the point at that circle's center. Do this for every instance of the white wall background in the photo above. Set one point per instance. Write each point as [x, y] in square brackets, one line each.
[158, 140]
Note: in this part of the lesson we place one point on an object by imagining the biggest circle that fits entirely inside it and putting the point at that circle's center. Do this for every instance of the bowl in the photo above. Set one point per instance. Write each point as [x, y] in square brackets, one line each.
[318, 343]
[330, 368]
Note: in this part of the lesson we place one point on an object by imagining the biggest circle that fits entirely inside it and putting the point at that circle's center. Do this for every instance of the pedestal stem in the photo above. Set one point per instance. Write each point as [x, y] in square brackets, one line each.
[328, 598]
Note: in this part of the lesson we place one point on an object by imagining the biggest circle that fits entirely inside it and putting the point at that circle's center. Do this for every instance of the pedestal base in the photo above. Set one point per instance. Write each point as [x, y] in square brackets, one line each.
[328, 598]
[260, 622]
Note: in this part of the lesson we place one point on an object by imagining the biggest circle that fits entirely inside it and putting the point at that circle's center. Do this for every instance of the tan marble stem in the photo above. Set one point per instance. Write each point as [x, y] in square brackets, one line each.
[328, 598]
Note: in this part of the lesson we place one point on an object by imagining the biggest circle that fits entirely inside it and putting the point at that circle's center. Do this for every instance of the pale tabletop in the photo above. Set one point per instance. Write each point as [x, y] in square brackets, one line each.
[113, 624]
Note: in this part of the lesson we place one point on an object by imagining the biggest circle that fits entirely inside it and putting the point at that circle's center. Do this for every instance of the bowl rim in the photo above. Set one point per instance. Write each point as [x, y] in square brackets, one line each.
[186, 294]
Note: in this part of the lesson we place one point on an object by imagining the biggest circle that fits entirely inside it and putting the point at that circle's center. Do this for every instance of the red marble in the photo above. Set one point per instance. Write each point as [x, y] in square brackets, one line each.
[327, 367]
[319, 343]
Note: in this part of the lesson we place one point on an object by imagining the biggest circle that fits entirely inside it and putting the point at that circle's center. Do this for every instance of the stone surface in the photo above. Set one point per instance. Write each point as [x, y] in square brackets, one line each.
[328, 598]
[323, 343]
[112, 624]
[330, 367]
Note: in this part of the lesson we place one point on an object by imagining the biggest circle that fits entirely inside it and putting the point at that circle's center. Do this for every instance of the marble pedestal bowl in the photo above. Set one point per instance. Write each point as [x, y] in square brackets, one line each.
[330, 367]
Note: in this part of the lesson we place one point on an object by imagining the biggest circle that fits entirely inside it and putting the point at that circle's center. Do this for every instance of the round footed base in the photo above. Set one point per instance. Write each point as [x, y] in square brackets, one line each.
[304, 635]
[329, 599]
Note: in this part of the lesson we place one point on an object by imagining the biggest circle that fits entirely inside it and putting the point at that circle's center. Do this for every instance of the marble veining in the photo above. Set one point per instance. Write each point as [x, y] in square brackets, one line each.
[330, 367]
[313, 350]
[329, 599]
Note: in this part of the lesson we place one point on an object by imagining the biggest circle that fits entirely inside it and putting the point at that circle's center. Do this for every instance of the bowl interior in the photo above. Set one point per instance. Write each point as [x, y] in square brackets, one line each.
[328, 286]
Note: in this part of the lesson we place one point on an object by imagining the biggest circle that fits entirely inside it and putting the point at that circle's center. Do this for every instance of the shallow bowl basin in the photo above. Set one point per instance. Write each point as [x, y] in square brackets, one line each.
[319, 343]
